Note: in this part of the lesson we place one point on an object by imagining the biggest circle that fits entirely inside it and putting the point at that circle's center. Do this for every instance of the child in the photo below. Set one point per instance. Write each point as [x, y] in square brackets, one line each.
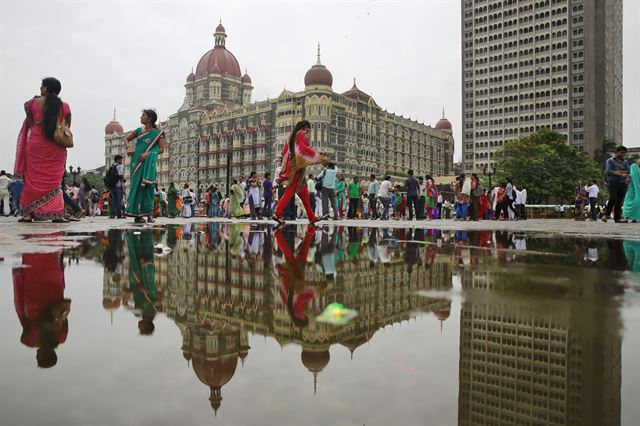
[403, 206]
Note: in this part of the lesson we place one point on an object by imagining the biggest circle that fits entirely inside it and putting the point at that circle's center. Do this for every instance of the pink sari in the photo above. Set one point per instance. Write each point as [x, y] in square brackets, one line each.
[40, 162]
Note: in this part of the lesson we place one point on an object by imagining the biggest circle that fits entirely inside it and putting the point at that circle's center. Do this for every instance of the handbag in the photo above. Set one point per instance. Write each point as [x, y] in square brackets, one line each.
[246, 209]
[319, 183]
[63, 135]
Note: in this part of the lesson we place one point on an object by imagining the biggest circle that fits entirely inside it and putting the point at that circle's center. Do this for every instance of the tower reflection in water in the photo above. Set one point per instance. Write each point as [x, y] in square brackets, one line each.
[222, 282]
[536, 346]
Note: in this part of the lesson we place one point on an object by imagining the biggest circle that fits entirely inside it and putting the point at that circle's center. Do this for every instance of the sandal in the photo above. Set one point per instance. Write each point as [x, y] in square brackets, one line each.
[278, 219]
[139, 220]
[150, 220]
[23, 220]
[60, 221]
[318, 219]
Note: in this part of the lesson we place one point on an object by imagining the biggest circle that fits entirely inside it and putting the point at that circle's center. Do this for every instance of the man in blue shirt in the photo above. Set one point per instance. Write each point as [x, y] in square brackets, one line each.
[616, 173]
[267, 187]
[413, 189]
[328, 177]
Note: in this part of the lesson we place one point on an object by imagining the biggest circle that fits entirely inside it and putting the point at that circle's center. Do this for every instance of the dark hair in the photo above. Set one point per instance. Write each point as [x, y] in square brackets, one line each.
[235, 181]
[310, 175]
[372, 176]
[429, 177]
[387, 177]
[253, 172]
[475, 176]
[117, 158]
[153, 116]
[267, 175]
[621, 148]
[2, 172]
[52, 105]
[300, 125]
[331, 165]
[410, 172]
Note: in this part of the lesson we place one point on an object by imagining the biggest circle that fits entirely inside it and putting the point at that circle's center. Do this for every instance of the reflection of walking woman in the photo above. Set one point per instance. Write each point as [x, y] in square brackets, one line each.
[40, 160]
[297, 154]
[149, 145]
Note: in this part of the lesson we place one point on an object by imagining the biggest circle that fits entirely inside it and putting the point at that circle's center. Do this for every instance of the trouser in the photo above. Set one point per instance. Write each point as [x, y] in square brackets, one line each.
[592, 205]
[303, 193]
[385, 207]
[502, 207]
[254, 207]
[163, 208]
[115, 202]
[6, 209]
[475, 204]
[412, 204]
[420, 208]
[353, 208]
[617, 191]
[439, 207]
[312, 201]
[522, 212]
[329, 196]
[373, 208]
[511, 209]
[214, 210]
[461, 211]
[15, 195]
[267, 207]
[92, 208]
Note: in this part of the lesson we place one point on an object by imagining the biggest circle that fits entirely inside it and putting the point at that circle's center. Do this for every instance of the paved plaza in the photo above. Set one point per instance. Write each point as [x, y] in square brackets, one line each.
[20, 237]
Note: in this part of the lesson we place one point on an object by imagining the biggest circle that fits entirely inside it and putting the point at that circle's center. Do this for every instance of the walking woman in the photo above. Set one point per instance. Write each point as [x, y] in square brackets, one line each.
[236, 199]
[341, 199]
[172, 200]
[40, 161]
[149, 145]
[631, 207]
[475, 194]
[297, 154]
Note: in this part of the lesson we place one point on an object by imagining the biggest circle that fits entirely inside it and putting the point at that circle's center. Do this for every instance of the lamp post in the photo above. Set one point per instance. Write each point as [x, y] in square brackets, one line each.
[74, 173]
[488, 171]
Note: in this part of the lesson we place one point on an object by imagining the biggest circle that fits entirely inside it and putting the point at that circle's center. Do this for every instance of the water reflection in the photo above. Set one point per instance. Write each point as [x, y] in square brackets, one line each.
[540, 328]
[38, 289]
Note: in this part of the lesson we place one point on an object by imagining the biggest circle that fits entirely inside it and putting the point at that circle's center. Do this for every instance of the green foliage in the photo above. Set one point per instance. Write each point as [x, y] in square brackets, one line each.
[602, 154]
[94, 179]
[545, 165]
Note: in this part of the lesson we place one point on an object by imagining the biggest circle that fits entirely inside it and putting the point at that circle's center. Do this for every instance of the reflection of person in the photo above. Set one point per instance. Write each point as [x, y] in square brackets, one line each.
[149, 145]
[142, 278]
[38, 288]
[632, 252]
[296, 292]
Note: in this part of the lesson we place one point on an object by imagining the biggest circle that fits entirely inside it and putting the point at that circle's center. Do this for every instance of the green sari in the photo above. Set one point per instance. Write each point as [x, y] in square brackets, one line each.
[143, 174]
[237, 198]
[341, 199]
[631, 207]
[172, 201]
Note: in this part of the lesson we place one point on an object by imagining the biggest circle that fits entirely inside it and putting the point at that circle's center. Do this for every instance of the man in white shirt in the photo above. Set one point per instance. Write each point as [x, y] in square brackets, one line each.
[384, 194]
[372, 192]
[4, 193]
[592, 191]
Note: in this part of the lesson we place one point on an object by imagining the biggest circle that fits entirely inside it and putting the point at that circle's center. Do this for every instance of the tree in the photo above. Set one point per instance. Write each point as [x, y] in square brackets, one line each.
[545, 165]
[602, 154]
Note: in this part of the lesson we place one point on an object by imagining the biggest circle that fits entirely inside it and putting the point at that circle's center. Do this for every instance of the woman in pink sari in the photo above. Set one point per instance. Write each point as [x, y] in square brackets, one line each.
[40, 161]
[297, 154]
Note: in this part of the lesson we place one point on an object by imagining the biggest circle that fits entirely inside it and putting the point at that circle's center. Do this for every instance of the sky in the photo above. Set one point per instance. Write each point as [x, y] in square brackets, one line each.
[131, 55]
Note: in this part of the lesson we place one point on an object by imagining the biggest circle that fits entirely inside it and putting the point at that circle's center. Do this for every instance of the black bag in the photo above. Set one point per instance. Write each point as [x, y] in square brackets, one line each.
[187, 200]
[319, 183]
[95, 197]
[112, 177]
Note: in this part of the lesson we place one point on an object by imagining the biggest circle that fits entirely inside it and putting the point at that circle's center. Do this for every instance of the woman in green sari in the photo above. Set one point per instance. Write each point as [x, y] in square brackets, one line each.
[172, 200]
[149, 145]
[341, 200]
[237, 198]
[631, 207]
[142, 278]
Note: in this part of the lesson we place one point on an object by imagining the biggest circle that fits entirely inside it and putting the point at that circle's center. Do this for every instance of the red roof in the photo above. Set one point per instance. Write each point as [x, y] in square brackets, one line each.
[113, 127]
[218, 61]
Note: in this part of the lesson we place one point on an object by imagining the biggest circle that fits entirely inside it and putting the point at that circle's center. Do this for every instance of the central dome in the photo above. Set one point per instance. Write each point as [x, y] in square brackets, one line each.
[219, 60]
[318, 75]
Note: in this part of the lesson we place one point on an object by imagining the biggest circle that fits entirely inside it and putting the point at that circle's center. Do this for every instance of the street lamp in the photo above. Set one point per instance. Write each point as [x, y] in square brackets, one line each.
[488, 171]
[74, 173]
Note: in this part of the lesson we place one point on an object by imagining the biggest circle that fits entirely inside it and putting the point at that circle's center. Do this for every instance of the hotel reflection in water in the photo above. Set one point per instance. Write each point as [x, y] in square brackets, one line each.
[551, 359]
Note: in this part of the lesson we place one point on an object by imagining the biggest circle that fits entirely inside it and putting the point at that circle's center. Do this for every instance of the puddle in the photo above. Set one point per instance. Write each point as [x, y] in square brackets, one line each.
[221, 324]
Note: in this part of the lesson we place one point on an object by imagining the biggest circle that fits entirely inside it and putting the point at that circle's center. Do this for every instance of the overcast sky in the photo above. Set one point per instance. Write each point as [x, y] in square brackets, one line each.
[136, 54]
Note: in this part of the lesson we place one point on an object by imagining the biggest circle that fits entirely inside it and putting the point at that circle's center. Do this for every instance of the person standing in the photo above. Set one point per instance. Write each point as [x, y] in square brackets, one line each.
[40, 160]
[297, 154]
[421, 198]
[150, 144]
[631, 207]
[592, 193]
[354, 197]
[374, 187]
[267, 194]
[163, 202]
[475, 194]
[616, 175]
[4, 193]
[511, 198]
[15, 187]
[433, 200]
[254, 195]
[186, 201]
[311, 187]
[440, 202]
[172, 200]
[215, 201]
[413, 188]
[83, 190]
[384, 192]
[114, 181]
[93, 198]
[237, 198]
[328, 176]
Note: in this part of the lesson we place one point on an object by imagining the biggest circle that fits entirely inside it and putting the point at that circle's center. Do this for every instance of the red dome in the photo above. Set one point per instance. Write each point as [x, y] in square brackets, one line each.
[318, 75]
[315, 361]
[357, 94]
[220, 28]
[113, 127]
[218, 61]
[191, 77]
[443, 124]
[246, 78]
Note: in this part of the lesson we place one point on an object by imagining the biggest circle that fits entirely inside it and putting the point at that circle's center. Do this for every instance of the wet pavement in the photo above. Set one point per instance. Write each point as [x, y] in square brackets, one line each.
[218, 323]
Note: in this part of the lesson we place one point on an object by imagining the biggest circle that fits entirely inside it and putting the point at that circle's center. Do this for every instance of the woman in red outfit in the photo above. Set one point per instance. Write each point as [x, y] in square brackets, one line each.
[297, 154]
[38, 289]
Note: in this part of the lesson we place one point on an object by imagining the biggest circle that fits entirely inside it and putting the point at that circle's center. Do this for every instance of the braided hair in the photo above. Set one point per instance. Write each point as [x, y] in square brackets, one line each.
[52, 105]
